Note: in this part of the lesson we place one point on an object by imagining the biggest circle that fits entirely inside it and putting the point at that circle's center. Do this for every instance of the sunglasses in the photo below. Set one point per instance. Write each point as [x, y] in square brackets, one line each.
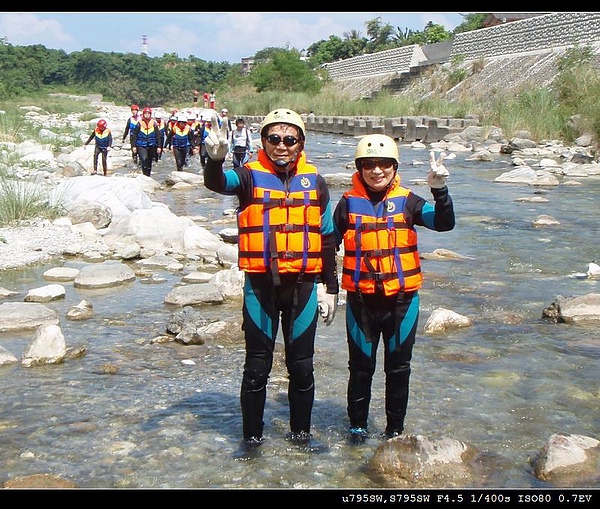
[371, 164]
[288, 141]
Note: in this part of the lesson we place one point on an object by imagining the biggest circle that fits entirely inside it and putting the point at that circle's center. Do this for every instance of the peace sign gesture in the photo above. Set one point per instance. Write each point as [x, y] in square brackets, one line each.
[217, 144]
[438, 174]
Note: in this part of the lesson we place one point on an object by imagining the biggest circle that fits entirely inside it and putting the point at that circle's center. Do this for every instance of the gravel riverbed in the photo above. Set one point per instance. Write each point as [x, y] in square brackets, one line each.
[32, 244]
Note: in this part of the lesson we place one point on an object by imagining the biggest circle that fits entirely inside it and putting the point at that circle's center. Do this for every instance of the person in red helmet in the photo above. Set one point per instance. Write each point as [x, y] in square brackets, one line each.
[103, 138]
[147, 141]
[129, 127]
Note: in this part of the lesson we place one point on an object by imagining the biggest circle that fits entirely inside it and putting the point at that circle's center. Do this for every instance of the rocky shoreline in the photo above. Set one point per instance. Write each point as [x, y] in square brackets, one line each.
[38, 243]
[115, 216]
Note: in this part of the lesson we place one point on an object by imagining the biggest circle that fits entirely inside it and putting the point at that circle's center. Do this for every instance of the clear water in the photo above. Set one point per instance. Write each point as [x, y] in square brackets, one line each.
[503, 385]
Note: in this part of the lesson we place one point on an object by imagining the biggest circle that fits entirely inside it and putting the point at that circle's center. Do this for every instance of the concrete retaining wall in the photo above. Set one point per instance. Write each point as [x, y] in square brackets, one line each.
[544, 33]
[384, 62]
[513, 45]
[407, 129]
[533, 35]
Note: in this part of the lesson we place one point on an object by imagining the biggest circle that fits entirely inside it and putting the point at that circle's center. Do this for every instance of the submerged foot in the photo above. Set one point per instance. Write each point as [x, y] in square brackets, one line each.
[357, 436]
[388, 435]
[305, 441]
[249, 449]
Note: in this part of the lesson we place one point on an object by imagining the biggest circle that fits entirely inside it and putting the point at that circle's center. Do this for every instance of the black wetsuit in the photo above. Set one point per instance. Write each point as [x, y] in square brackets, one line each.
[293, 302]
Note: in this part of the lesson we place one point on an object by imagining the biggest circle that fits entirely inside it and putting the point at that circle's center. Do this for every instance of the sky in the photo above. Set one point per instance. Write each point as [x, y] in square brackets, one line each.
[211, 36]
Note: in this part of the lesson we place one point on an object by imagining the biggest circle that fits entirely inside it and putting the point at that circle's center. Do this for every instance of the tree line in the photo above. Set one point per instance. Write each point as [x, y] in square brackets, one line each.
[126, 78]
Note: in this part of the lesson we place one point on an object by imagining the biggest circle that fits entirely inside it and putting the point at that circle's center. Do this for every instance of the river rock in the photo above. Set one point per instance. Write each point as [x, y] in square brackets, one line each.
[201, 293]
[15, 316]
[566, 456]
[81, 311]
[61, 274]
[46, 293]
[442, 320]
[48, 347]
[416, 461]
[574, 309]
[103, 275]
[6, 357]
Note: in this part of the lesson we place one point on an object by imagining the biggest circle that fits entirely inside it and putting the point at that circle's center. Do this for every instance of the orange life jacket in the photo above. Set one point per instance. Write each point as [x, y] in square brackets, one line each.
[147, 128]
[379, 246]
[281, 229]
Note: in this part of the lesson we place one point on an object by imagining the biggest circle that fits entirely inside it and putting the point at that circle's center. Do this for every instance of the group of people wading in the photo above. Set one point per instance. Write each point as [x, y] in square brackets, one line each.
[288, 240]
[183, 133]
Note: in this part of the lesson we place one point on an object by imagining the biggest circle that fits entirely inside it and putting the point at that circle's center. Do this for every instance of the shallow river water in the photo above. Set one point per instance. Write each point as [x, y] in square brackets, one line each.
[503, 385]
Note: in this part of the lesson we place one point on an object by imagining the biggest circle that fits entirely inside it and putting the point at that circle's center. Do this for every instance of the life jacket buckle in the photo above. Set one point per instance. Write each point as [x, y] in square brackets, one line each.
[286, 228]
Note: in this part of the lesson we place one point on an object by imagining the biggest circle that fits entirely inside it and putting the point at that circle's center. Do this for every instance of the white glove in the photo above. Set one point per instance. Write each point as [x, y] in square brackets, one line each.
[217, 144]
[327, 304]
[438, 174]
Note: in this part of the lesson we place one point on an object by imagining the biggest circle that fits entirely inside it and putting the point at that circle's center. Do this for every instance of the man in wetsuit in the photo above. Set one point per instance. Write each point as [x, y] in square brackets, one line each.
[286, 249]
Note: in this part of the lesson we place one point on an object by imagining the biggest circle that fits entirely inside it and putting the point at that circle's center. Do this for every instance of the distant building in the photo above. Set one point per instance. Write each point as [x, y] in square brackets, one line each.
[247, 64]
[499, 18]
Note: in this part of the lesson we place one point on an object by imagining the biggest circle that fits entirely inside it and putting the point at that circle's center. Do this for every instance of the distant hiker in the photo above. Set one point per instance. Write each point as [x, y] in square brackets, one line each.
[132, 121]
[147, 141]
[103, 139]
[241, 143]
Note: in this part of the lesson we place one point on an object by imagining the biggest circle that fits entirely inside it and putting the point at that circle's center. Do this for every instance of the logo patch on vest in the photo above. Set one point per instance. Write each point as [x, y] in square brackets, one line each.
[391, 206]
[305, 182]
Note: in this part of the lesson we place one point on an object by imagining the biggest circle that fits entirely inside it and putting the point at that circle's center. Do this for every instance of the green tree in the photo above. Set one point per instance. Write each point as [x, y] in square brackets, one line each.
[380, 35]
[435, 33]
[284, 71]
[472, 21]
[335, 48]
[404, 37]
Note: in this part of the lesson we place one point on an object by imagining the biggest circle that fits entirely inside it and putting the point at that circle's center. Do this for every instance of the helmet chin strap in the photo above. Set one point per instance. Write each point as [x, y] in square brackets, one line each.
[286, 164]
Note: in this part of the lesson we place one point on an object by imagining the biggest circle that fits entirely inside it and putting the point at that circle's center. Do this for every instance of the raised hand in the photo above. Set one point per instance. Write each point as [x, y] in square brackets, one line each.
[217, 144]
[438, 174]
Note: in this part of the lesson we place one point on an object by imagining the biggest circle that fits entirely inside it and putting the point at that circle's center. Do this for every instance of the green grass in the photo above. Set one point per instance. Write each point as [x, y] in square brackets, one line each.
[21, 201]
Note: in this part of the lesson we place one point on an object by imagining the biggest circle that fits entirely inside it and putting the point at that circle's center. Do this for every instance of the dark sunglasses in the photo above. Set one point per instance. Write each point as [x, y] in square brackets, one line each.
[371, 164]
[288, 141]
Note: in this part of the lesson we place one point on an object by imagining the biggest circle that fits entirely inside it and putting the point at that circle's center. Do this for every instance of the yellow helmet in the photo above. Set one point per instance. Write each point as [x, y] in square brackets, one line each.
[283, 115]
[377, 145]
